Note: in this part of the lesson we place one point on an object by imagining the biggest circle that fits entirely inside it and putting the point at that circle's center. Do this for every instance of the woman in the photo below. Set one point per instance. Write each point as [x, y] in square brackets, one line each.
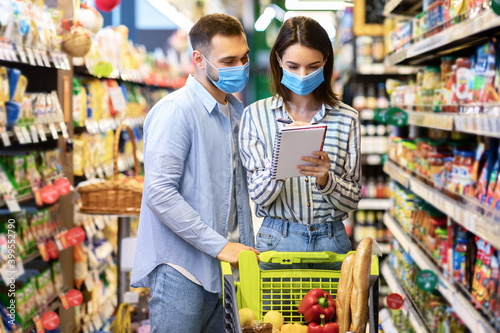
[303, 213]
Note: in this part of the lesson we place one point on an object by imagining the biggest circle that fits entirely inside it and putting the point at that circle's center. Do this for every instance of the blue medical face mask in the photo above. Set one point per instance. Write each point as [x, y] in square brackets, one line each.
[231, 79]
[302, 85]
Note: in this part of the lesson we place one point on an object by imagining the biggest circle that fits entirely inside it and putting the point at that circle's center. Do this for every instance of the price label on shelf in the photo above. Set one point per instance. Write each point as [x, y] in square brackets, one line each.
[13, 55]
[64, 129]
[5, 137]
[45, 59]
[38, 58]
[31, 57]
[34, 133]
[19, 135]
[53, 131]
[26, 134]
[11, 202]
[2, 55]
[22, 55]
[41, 132]
[117, 98]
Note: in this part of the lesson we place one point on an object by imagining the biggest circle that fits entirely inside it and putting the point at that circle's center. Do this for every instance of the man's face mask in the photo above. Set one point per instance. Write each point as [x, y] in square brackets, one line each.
[231, 79]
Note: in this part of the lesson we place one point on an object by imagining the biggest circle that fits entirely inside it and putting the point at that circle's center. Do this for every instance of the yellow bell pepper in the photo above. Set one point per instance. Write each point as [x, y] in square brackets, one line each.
[293, 328]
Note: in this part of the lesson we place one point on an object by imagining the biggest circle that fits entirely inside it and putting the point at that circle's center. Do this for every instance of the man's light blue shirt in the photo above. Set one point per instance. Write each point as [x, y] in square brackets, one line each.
[188, 183]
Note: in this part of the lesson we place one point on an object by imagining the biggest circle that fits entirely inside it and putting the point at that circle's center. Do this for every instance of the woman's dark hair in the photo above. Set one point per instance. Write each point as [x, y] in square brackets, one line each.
[306, 32]
[208, 26]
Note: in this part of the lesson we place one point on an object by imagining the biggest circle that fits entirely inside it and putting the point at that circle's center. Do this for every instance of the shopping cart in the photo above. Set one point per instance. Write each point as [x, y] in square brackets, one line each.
[283, 289]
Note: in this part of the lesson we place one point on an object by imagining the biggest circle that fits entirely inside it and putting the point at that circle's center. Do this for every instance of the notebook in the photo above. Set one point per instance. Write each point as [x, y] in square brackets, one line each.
[291, 144]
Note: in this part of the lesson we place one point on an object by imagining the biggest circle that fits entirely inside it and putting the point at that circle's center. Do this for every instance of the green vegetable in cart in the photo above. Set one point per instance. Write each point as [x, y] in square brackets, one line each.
[316, 303]
[275, 318]
[323, 327]
[247, 316]
[294, 328]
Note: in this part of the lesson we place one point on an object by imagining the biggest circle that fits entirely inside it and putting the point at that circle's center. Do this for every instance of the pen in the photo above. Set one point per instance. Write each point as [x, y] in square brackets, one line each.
[285, 121]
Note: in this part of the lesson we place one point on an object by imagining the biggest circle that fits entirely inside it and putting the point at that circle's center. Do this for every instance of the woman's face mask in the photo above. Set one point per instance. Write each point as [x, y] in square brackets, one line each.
[302, 85]
[231, 79]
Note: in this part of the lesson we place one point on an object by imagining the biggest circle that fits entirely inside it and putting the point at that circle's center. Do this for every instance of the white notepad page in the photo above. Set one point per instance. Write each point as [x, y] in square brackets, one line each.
[291, 144]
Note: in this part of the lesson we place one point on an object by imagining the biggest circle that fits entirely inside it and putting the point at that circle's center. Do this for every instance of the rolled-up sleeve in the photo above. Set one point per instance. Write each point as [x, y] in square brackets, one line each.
[262, 188]
[168, 141]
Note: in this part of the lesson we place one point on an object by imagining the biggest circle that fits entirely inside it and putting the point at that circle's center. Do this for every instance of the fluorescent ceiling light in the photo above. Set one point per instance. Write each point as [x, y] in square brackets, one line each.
[172, 13]
[317, 5]
[273, 11]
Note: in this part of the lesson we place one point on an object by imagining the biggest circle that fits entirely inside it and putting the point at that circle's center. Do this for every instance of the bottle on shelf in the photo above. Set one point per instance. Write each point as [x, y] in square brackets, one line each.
[380, 188]
[371, 188]
[360, 228]
[359, 100]
[382, 100]
[371, 98]
[371, 229]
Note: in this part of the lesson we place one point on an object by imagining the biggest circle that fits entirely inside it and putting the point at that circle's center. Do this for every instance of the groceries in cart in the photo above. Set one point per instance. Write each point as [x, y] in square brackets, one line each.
[322, 307]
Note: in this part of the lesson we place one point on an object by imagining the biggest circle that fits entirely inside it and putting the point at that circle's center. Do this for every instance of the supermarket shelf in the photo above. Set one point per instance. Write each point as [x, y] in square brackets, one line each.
[20, 199]
[123, 77]
[476, 223]
[55, 304]
[374, 204]
[408, 308]
[381, 69]
[13, 138]
[40, 58]
[371, 159]
[478, 124]
[31, 257]
[402, 7]
[442, 121]
[462, 307]
[460, 35]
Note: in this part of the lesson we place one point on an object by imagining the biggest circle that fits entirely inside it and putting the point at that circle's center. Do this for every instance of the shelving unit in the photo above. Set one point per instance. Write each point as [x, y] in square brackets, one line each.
[374, 204]
[462, 306]
[402, 7]
[467, 33]
[478, 224]
[33, 57]
[478, 124]
[55, 303]
[382, 69]
[409, 309]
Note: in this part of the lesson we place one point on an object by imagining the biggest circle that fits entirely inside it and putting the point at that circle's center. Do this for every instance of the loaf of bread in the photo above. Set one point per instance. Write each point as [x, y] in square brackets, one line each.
[343, 310]
[258, 328]
[361, 283]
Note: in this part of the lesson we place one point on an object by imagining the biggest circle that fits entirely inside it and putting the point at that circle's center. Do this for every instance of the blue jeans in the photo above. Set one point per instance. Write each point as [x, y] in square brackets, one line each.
[283, 236]
[178, 305]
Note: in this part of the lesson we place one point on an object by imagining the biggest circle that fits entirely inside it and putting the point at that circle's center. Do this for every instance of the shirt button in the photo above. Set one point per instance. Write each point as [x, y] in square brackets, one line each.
[308, 204]
[307, 179]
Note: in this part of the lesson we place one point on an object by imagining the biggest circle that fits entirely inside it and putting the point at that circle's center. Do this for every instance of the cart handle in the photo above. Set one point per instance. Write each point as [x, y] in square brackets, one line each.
[288, 258]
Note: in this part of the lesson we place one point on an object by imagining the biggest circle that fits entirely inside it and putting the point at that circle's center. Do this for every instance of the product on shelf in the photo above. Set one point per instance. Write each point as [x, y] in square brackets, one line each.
[467, 260]
[465, 85]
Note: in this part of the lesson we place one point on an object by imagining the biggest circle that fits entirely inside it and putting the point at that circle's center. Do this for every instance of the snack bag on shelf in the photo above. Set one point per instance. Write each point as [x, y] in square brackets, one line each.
[482, 272]
[484, 71]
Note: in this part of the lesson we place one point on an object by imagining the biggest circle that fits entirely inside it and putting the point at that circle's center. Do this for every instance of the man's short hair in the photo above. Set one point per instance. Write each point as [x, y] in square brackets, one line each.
[208, 26]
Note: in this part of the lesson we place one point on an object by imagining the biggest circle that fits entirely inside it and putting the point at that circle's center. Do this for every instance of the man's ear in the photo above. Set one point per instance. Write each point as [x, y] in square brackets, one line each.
[198, 59]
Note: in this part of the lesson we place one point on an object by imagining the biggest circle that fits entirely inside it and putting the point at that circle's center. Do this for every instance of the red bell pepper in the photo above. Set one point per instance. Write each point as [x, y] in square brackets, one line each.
[316, 303]
[323, 328]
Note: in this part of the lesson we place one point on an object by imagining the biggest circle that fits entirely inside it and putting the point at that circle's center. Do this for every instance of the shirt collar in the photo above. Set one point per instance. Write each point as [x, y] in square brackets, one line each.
[208, 101]
[277, 103]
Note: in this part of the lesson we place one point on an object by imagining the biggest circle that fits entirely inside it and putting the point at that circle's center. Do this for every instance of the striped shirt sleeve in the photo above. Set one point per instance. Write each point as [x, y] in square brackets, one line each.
[254, 155]
[343, 192]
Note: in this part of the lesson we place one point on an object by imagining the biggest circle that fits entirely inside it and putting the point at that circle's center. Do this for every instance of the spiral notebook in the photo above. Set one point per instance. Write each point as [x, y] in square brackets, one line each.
[291, 144]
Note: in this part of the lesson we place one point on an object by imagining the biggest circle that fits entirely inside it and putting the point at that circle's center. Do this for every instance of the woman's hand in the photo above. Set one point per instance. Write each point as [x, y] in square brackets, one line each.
[321, 171]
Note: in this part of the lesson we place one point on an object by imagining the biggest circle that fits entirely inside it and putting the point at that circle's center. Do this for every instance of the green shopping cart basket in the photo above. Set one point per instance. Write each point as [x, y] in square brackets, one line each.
[283, 289]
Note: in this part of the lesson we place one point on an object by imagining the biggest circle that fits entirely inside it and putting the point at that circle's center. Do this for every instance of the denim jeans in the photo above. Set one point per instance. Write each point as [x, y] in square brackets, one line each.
[178, 305]
[284, 236]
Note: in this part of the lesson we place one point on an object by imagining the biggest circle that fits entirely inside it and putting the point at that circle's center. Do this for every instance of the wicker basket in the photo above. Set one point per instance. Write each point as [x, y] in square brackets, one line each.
[114, 196]
[77, 43]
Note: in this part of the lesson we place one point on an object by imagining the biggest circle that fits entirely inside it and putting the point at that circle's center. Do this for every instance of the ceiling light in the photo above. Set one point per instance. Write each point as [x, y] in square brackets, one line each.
[317, 5]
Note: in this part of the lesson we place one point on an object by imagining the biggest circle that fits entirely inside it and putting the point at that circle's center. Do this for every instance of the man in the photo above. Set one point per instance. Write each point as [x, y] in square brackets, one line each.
[195, 206]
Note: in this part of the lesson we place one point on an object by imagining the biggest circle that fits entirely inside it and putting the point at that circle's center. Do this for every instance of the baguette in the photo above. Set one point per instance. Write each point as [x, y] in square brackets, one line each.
[343, 310]
[361, 283]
